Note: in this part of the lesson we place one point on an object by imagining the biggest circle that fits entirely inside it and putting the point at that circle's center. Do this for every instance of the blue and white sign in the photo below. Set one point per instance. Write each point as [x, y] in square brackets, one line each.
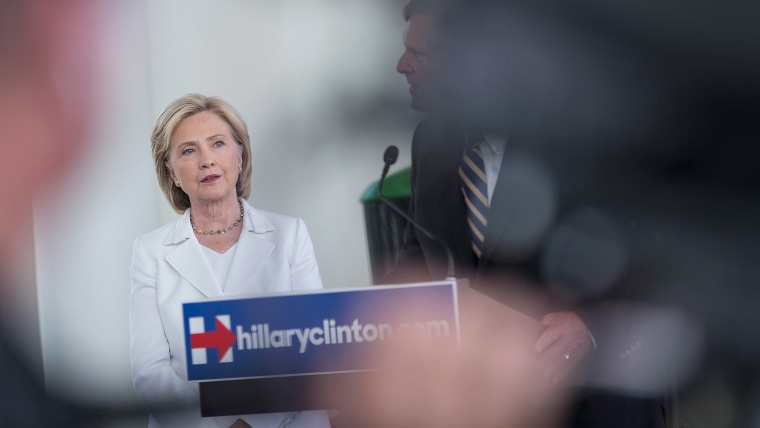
[319, 332]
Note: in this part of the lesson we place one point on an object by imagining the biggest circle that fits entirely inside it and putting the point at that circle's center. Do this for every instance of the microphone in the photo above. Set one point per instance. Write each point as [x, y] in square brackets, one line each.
[389, 157]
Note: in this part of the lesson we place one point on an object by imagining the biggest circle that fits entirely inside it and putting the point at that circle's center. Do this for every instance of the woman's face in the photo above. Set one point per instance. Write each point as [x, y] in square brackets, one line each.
[205, 158]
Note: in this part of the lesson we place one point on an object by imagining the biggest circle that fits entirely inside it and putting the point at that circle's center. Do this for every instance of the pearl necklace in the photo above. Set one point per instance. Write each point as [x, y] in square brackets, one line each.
[218, 232]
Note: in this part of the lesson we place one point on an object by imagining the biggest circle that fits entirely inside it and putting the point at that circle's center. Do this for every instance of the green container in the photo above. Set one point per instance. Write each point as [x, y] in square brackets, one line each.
[385, 227]
[396, 186]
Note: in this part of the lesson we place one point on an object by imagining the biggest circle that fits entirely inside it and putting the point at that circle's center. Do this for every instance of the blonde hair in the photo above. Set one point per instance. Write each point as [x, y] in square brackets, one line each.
[160, 142]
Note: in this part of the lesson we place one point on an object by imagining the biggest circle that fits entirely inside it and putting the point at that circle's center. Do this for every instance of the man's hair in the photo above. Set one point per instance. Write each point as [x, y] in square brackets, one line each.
[179, 110]
[421, 7]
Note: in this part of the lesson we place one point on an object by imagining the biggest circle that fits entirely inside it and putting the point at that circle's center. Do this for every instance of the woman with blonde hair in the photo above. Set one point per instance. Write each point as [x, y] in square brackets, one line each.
[219, 247]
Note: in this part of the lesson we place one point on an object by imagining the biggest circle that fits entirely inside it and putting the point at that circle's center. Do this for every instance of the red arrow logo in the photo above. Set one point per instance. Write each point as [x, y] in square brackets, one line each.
[222, 339]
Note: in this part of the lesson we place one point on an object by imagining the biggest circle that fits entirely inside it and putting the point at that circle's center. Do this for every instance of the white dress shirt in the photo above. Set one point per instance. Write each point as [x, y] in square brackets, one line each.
[493, 152]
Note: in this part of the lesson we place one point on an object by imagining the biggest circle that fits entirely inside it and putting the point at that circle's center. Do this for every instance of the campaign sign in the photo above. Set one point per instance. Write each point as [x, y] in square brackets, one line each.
[329, 331]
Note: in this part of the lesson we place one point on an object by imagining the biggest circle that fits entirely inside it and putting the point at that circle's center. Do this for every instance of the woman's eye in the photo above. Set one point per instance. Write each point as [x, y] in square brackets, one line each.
[218, 143]
[188, 151]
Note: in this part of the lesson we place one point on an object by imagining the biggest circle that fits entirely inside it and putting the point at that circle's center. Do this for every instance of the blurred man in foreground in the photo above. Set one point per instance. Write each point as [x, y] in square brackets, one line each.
[47, 72]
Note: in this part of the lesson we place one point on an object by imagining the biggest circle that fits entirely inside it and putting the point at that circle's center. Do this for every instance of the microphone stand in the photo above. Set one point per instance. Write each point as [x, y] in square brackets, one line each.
[390, 157]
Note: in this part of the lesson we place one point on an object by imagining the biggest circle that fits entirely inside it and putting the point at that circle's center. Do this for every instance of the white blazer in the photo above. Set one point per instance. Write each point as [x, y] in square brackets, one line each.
[274, 254]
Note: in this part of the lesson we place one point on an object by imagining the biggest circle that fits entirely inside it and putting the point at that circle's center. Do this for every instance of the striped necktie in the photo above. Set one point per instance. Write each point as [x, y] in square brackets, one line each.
[472, 179]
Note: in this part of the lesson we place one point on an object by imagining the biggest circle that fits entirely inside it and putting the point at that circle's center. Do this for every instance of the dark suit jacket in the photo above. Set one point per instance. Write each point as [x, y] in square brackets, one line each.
[525, 209]
[550, 245]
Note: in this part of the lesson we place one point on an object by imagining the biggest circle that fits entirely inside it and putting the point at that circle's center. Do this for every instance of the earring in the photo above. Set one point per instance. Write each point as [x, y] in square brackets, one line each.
[177, 183]
[240, 169]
